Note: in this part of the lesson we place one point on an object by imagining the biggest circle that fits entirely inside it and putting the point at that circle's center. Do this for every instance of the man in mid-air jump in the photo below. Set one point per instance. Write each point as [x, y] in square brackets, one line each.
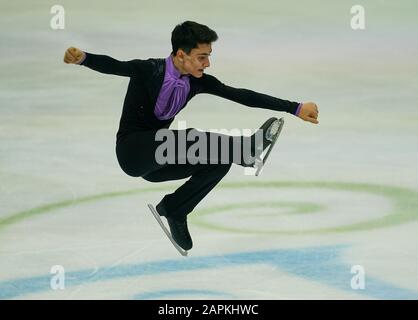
[157, 91]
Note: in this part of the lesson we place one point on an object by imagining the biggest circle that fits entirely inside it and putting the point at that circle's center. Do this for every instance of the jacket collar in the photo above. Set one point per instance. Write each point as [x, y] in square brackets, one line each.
[157, 78]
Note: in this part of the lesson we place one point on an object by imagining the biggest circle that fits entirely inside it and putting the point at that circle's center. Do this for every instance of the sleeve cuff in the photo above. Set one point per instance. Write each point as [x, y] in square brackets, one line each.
[83, 59]
[298, 109]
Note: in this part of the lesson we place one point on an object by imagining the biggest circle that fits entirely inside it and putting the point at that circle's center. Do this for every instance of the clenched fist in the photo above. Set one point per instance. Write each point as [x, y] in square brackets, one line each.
[74, 55]
[309, 112]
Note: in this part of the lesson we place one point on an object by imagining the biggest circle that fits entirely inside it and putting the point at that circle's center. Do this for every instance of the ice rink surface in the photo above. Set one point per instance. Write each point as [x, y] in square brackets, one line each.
[336, 204]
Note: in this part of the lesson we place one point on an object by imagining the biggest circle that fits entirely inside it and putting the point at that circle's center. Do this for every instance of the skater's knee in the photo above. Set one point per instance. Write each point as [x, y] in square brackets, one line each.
[223, 168]
[132, 172]
[151, 178]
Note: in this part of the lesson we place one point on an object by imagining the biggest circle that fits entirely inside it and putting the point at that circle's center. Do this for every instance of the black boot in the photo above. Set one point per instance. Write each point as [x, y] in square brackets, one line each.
[267, 130]
[178, 228]
[180, 232]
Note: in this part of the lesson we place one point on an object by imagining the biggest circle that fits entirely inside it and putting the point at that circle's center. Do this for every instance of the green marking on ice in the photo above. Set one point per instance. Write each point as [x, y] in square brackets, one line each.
[405, 205]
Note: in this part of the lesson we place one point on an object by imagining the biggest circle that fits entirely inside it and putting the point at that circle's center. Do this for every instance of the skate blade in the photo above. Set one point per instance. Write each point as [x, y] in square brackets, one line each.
[166, 231]
[272, 130]
[272, 133]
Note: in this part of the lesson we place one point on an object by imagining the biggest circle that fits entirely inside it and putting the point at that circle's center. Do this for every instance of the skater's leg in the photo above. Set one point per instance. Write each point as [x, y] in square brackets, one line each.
[177, 205]
[137, 157]
[138, 152]
[203, 178]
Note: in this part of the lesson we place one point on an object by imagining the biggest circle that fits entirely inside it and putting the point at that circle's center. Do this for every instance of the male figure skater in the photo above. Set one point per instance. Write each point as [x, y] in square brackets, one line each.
[157, 91]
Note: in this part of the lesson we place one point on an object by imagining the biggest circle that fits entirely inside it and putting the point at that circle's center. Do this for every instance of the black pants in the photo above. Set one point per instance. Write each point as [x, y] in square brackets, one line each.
[136, 156]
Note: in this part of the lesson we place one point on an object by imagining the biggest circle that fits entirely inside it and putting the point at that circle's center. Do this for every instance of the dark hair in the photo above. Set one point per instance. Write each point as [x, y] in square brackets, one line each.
[188, 34]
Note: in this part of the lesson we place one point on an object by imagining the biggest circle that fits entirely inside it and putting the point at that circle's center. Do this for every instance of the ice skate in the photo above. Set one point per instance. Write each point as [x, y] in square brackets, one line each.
[271, 131]
[178, 234]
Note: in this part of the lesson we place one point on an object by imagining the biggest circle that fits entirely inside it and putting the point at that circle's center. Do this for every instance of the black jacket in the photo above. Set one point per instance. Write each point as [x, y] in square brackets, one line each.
[147, 77]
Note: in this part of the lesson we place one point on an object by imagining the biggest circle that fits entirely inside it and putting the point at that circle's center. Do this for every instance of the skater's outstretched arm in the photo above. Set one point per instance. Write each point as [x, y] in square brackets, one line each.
[307, 111]
[104, 64]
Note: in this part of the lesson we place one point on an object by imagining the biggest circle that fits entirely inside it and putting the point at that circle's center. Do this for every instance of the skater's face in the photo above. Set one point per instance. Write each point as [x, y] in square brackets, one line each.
[196, 62]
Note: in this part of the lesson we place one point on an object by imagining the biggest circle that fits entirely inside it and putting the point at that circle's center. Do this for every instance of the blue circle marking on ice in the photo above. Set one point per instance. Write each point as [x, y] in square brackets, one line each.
[322, 264]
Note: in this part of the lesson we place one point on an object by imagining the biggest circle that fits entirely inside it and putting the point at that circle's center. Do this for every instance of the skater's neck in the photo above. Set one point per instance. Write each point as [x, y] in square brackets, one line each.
[178, 65]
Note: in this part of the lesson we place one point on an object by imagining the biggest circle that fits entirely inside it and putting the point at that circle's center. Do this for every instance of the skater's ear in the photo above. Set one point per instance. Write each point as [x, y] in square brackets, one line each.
[181, 54]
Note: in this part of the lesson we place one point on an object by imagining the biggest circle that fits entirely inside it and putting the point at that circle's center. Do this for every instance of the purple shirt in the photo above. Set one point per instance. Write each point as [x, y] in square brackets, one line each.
[173, 93]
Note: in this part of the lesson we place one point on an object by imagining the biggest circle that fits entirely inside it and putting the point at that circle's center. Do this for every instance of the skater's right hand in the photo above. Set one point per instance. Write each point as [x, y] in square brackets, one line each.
[74, 55]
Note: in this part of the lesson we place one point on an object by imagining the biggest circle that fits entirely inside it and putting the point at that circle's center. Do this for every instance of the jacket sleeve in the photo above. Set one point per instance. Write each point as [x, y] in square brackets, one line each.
[212, 85]
[109, 65]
